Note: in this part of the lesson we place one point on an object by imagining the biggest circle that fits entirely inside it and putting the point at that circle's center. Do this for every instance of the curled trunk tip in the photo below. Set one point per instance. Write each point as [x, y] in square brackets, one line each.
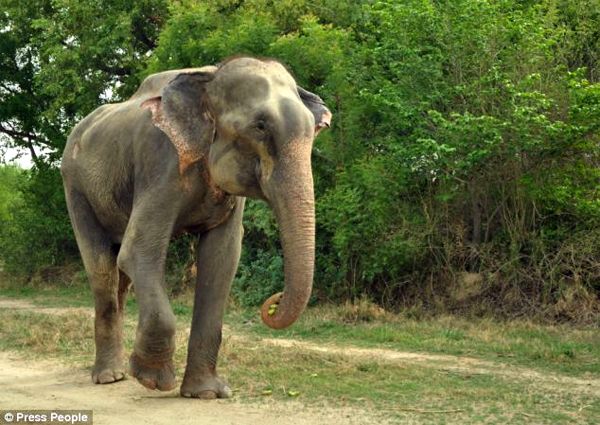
[279, 311]
[269, 311]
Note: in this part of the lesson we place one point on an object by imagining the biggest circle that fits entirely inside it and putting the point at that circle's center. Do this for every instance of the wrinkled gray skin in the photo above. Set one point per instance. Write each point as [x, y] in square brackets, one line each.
[180, 156]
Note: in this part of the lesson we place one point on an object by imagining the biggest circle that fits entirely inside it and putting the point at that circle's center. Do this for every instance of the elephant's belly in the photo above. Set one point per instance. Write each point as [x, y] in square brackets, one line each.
[205, 215]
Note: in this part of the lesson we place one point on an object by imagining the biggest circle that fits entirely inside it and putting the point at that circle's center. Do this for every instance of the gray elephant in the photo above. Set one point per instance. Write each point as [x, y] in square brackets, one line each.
[180, 156]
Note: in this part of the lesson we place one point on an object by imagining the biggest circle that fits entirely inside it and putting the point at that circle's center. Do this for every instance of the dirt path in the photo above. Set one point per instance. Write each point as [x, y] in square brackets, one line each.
[28, 384]
[18, 304]
[47, 385]
[455, 364]
[25, 384]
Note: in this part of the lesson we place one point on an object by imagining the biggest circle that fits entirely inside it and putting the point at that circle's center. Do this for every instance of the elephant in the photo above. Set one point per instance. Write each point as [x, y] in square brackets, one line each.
[180, 156]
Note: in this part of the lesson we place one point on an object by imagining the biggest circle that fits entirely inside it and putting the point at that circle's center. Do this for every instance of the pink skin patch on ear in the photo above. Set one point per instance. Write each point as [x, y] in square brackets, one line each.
[187, 155]
[325, 122]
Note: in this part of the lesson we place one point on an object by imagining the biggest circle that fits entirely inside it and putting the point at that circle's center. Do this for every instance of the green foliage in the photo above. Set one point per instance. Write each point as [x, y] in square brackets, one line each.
[10, 196]
[61, 58]
[36, 234]
[465, 135]
[260, 273]
[260, 276]
[200, 33]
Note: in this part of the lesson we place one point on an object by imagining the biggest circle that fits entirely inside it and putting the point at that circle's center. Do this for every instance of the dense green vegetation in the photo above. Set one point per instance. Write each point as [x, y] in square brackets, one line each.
[465, 141]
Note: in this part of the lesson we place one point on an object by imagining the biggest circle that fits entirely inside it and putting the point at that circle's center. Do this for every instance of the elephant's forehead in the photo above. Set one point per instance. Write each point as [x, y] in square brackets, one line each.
[253, 65]
[254, 82]
[242, 88]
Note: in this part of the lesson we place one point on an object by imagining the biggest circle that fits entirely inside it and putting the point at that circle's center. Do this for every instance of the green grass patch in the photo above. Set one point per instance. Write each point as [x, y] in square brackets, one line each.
[561, 348]
[50, 296]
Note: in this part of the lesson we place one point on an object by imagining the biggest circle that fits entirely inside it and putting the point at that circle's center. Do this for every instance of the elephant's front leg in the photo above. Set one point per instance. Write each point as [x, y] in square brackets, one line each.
[142, 257]
[218, 255]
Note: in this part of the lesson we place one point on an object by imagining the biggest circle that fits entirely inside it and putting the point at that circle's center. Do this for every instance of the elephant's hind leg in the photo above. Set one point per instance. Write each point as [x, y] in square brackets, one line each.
[108, 285]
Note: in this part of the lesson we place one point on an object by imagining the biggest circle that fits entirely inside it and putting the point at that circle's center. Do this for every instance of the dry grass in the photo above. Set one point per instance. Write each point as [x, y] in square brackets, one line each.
[47, 333]
[362, 310]
[424, 392]
[568, 349]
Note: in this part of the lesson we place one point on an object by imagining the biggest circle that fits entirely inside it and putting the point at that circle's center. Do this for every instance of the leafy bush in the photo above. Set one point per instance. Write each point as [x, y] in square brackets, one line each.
[465, 136]
[37, 233]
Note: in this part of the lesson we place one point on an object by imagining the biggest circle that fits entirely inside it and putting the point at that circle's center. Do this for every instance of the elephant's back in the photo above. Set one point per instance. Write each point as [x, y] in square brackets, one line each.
[154, 84]
[96, 136]
[123, 121]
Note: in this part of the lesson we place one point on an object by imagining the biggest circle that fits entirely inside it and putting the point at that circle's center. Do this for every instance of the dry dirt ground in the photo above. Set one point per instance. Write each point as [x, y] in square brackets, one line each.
[46, 385]
[29, 384]
[25, 384]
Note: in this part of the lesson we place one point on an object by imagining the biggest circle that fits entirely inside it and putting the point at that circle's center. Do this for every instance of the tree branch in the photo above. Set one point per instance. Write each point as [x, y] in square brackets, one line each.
[115, 70]
[34, 156]
[25, 138]
[15, 134]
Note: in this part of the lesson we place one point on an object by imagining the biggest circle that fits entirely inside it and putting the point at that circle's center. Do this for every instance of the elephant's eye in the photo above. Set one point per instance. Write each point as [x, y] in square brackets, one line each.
[260, 125]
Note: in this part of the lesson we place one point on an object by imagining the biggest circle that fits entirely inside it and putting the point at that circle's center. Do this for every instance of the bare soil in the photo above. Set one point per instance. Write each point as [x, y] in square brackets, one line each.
[18, 304]
[35, 384]
[25, 384]
[28, 384]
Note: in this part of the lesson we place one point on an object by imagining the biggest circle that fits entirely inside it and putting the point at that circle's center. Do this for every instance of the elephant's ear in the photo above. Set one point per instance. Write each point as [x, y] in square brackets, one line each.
[316, 105]
[182, 115]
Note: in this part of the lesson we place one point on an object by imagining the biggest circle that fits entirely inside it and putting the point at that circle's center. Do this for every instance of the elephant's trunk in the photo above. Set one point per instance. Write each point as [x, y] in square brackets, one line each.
[294, 207]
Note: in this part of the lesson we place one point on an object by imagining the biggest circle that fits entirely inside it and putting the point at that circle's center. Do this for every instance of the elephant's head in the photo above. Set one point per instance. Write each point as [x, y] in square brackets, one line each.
[255, 128]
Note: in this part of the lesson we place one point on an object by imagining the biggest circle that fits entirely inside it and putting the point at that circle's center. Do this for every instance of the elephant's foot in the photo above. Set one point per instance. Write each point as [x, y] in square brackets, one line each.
[107, 375]
[153, 375]
[206, 387]
[108, 369]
